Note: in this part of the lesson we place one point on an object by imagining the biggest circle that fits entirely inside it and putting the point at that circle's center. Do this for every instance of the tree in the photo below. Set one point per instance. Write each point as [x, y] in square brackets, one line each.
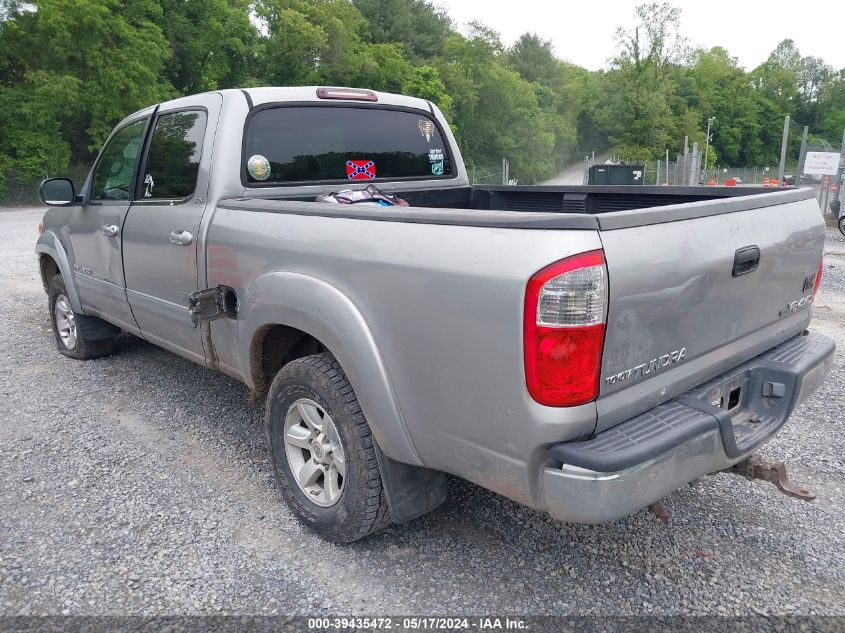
[638, 114]
[715, 86]
[114, 49]
[416, 25]
[210, 41]
[425, 82]
[533, 58]
[313, 42]
[31, 143]
[496, 112]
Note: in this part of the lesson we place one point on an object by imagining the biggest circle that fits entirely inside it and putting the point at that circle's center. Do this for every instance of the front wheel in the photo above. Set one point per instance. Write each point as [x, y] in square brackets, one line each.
[77, 336]
[322, 451]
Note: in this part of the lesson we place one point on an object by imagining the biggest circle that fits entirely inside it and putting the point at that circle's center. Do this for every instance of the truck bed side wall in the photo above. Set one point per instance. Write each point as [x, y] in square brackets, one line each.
[430, 315]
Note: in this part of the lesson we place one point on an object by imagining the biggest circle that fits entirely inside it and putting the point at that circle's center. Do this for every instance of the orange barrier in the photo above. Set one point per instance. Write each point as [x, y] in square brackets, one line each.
[730, 182]
[767, 182]
[712, 183]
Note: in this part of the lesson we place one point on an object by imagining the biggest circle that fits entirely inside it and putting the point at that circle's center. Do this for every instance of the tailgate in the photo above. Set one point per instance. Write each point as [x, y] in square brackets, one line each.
[691, 298]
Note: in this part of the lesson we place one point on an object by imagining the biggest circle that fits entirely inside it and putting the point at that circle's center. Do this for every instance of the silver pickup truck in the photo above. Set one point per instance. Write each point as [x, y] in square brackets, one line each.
[584, 351]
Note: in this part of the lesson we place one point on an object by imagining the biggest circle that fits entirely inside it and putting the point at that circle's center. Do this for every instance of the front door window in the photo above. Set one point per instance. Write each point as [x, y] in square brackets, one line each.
[115, 171]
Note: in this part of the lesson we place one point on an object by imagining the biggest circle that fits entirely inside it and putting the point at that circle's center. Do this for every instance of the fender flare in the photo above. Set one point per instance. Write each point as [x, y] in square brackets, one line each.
[50, 244]
[319, 309]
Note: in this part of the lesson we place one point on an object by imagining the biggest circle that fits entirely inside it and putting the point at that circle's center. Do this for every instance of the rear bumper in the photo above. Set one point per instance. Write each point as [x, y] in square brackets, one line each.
[637, 462]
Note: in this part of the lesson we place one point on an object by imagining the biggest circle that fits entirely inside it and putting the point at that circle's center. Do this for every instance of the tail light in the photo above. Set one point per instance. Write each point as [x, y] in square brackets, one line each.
[565, 308]
[818, 280]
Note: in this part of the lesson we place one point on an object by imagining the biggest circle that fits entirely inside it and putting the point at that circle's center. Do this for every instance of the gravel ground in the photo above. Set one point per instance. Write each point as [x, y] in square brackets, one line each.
[138, 484]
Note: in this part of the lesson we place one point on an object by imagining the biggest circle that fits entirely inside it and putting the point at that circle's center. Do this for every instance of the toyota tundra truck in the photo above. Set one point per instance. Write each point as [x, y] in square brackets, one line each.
[584, 351]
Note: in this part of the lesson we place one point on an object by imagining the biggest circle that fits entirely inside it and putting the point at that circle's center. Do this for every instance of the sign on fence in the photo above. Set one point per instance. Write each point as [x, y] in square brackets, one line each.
[822, 163]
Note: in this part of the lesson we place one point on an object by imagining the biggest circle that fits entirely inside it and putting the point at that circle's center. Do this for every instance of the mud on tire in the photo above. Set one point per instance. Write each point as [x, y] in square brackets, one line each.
[361, 508]
[77, 335]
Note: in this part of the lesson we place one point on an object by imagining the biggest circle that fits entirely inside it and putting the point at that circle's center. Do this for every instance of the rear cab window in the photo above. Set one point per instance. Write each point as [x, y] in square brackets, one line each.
[297, 144]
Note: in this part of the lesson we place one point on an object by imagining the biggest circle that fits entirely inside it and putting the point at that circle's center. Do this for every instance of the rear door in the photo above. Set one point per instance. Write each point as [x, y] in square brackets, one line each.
[163, 226]
[94, 230]
[692, 298]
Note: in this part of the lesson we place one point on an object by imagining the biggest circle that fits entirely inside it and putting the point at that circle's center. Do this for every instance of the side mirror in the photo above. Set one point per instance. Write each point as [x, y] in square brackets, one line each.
[57, 192]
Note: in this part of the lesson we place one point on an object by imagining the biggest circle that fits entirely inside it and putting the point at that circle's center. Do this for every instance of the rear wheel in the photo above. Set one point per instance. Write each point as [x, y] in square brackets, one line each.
[322, 451]
[77, 335]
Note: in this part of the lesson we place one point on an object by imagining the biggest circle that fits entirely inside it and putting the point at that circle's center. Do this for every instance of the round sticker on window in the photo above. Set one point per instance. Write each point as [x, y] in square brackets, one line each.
[258, 167]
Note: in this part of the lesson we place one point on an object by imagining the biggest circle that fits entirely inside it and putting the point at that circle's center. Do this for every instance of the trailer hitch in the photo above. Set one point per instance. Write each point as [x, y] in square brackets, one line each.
[755, 467]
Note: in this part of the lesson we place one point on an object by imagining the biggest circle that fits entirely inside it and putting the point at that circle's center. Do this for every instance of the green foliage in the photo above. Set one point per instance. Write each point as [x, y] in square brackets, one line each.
[211, 43]
[425, 82]
[71, 69]
[419, 27]
[31, 145]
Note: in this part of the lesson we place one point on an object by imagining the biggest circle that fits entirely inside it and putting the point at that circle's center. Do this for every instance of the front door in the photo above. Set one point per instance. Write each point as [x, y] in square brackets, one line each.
[95, 227]
[163, 225]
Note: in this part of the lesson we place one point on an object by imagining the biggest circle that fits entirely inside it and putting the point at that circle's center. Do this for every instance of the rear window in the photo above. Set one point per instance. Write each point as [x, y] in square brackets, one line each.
[313, 143]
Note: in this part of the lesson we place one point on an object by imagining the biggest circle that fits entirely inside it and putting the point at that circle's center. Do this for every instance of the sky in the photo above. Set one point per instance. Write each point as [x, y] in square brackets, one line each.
[583, 32]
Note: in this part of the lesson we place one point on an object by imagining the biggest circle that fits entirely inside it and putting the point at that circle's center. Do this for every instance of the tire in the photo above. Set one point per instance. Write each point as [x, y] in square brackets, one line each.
[342, 508]
[842, 225]
[77, 336]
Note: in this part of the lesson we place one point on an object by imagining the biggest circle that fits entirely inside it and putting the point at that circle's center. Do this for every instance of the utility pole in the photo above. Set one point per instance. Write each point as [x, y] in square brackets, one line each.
[841, 182]
[710, 121]
[783, 150]
[694, 165]
[802, 156]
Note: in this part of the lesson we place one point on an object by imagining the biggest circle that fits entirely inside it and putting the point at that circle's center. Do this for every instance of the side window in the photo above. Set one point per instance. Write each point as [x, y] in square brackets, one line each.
[114, 173]
[173, 159]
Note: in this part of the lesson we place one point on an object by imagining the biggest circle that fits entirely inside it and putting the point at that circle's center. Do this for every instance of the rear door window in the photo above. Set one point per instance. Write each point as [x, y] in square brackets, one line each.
[173, 159]
[333, 143]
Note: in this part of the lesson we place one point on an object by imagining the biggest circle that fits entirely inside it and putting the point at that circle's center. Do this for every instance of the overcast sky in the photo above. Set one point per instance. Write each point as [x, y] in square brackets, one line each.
[583, 31]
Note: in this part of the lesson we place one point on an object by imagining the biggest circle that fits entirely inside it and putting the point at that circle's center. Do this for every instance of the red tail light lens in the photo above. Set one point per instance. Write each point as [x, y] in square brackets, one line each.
[818, 281]
[563, 332]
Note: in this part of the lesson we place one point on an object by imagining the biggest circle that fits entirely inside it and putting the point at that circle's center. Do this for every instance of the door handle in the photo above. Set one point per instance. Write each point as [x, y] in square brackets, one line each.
[109, 230]
[181, 238]
[746, 260]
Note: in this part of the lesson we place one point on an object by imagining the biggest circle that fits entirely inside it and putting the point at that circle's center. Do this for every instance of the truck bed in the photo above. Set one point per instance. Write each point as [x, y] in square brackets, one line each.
[542, 207]
[444, 299]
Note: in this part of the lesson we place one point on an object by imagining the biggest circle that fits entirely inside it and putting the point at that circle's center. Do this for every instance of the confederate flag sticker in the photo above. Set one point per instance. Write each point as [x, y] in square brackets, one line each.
[360, 170]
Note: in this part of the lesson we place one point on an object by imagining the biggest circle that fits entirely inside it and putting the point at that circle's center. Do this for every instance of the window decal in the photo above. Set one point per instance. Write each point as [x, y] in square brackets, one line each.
[258, 167]
[360, 170]
[426, 129]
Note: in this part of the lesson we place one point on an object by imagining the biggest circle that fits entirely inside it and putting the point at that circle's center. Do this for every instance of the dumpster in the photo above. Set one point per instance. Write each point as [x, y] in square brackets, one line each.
[616, 175]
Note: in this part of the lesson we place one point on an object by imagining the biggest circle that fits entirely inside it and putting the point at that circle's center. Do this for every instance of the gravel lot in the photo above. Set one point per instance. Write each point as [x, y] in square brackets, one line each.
[138, 484]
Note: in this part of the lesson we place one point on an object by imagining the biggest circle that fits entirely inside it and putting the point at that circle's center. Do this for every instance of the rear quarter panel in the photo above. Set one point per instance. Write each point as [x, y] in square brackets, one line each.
[444, 306]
